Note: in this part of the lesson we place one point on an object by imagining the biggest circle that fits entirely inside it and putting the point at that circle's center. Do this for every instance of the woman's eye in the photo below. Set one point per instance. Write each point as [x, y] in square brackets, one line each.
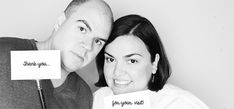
[109, 59]
[98, 41]
[132, 61]
[82, 29]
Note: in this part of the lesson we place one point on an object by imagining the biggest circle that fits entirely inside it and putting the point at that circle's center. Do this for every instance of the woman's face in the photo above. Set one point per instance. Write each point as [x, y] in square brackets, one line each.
[127, 67]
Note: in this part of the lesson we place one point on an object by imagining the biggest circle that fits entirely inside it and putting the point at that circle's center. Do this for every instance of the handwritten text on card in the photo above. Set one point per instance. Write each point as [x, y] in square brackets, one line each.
[35, 64]
[135, 100]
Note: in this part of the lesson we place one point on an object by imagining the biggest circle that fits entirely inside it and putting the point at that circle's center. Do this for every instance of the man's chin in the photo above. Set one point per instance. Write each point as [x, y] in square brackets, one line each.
[72, 68]
[75, 65]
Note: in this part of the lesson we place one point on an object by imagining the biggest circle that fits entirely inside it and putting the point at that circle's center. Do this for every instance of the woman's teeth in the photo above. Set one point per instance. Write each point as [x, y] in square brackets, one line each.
[122, 82]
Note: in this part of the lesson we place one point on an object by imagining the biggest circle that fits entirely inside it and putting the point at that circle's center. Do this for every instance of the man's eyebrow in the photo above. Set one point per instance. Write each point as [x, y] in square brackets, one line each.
[86, 23]
[129, 55]
[108, 54]
[104, 40]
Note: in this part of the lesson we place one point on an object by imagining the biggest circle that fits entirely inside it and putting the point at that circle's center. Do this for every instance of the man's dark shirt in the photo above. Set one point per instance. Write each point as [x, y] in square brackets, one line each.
[74, 93]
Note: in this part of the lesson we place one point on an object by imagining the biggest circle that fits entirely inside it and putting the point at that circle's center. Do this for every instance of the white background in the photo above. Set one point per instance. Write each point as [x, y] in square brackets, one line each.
[197, 34]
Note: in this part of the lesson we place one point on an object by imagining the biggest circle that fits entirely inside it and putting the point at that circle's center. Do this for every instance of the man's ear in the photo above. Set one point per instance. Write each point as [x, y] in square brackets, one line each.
[155, 63]
[59, 21]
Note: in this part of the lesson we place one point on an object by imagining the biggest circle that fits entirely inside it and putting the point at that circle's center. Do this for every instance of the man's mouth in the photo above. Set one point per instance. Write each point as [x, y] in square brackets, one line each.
[81, 58]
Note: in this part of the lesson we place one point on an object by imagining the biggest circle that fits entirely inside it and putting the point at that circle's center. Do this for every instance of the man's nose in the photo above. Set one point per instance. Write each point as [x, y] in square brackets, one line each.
[88, 43]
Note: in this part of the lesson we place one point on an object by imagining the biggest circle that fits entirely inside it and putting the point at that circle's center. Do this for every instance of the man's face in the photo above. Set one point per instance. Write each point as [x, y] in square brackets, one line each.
[81, 36]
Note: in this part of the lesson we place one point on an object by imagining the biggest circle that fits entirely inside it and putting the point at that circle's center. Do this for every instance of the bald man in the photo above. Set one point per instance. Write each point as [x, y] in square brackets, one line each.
[79, 35]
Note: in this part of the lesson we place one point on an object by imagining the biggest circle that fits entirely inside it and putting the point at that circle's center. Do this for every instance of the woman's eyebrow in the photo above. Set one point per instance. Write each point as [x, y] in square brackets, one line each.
[108, 54]
[86, 24]
[130, 55]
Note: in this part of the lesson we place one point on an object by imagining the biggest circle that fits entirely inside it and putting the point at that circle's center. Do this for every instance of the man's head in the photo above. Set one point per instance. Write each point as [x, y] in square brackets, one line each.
[83, 33]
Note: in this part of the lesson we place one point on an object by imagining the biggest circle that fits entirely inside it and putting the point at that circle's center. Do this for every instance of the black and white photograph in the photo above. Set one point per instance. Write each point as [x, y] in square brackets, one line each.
[116, 54]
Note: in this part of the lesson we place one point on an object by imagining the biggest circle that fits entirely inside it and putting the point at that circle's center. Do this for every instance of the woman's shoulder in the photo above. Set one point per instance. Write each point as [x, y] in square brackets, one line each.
[170, 89]
[173, 96]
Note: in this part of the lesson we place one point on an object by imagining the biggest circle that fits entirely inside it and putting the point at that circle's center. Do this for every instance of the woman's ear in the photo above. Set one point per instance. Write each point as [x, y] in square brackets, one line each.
[59, 21]
[155, 63]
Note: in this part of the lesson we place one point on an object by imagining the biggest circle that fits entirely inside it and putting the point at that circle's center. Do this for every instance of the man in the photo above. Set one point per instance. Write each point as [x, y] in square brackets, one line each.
[79, 37]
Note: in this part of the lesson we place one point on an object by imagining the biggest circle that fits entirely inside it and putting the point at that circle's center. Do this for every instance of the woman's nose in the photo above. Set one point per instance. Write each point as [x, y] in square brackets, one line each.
[119, 70]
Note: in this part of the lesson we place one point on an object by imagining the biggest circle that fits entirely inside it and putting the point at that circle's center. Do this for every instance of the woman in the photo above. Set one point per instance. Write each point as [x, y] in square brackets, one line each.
[133, 60]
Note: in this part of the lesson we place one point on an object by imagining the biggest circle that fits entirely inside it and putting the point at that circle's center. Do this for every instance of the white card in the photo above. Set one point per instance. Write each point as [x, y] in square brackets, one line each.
[35, 64]
[135, 100]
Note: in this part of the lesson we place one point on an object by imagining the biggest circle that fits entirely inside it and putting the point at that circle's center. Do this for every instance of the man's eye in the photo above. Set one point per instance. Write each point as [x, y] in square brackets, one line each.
[98, 41]
[109, 59]
[82, 29]
[132, 61]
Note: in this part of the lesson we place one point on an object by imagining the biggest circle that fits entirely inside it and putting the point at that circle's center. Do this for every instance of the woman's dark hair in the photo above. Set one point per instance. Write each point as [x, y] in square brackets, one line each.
[142, 28]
